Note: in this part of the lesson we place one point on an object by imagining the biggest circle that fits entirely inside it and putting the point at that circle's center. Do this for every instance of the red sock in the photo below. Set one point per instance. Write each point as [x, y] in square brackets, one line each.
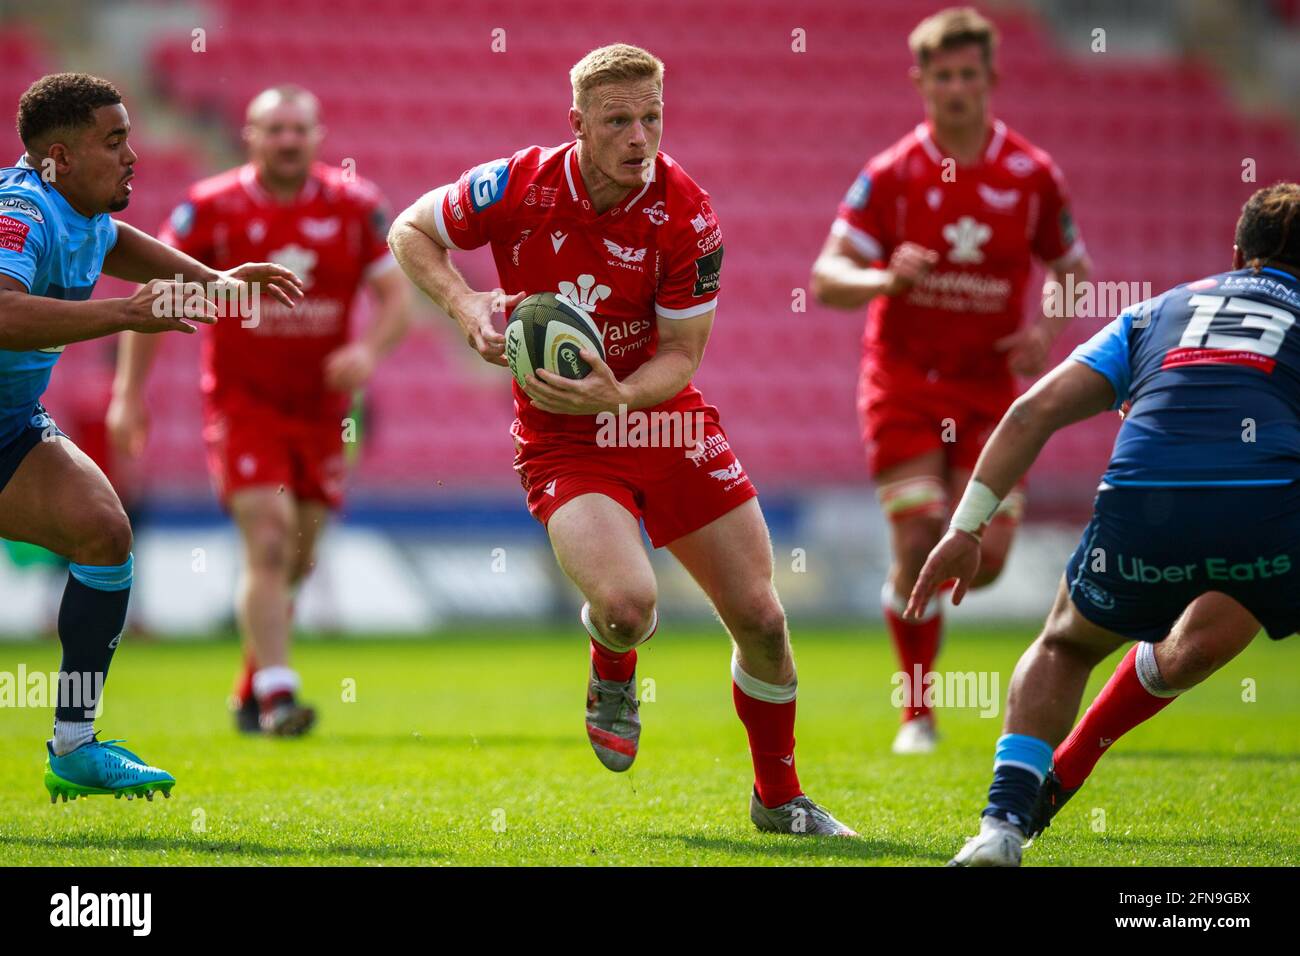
[1122, 704]
[917, 645]
[611, 665]
[244, 680]
[770, 727]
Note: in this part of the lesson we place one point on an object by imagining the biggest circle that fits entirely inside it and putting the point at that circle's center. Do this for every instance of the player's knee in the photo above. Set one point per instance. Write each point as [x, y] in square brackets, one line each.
[759, 625]
[303, 565]
[1059, 638]
[109, 543]
[268, 550]
[625, 617]
[1188, 660]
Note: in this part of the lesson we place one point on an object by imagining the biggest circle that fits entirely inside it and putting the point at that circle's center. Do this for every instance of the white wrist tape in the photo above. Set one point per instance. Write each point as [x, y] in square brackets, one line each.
[976, 508]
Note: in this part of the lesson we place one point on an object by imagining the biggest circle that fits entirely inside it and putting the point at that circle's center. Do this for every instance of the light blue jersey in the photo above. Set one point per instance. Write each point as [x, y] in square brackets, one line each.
[55, 252]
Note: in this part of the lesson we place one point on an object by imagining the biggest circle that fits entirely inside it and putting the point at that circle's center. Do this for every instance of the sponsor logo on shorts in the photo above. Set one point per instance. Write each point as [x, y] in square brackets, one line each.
[1260, 568]
[730, 473]
[1096, 595]
[710, 448]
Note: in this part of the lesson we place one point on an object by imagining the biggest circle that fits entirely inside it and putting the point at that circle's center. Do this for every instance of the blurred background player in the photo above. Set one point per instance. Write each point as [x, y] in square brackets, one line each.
[938, 233]
[276, 391]
[621, 231]
[56, 237]
[1186, 507]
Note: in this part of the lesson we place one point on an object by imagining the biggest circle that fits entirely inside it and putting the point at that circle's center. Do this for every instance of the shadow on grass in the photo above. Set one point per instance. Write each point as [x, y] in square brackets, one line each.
[1252, 844]
[1264, 757]
[797, 848]
[456, 741]
[205, 845]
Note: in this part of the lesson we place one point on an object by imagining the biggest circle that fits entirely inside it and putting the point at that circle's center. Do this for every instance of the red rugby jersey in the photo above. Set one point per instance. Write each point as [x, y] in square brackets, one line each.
[657, 253]
[332, 234]
[986, 221]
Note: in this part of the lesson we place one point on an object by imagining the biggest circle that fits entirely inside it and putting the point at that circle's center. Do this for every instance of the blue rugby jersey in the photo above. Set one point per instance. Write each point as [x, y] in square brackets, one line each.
[1212, 371]
[55, 252]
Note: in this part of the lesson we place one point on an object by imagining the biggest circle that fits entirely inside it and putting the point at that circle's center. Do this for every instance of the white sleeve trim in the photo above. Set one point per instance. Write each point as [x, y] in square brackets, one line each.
[1072, 256]
[385, 263]
[440, 225]
[689, 312]
[864, 242]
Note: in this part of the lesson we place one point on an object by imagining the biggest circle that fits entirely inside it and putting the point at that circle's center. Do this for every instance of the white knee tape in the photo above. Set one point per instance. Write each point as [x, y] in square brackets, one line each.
[751, 686]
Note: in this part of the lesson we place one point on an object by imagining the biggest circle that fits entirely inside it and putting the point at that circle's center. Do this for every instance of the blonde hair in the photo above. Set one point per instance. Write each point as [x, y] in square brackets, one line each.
[952, 28]
[616, 63]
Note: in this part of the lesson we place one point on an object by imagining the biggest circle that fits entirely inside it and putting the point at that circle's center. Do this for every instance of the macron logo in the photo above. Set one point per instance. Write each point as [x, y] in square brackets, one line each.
[557, 239]
[103, 909]
[586, 294]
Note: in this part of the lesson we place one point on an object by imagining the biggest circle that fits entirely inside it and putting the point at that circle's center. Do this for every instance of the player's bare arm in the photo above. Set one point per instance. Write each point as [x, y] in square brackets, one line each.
[842, 278]
[139, 257]
[351, 366]
[680, 350]
[428, 264]
[35, 322]
[1069, 394]
[1028, 348]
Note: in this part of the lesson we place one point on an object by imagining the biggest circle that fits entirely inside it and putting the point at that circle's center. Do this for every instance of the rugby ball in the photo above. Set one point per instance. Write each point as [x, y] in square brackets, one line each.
[547, 331]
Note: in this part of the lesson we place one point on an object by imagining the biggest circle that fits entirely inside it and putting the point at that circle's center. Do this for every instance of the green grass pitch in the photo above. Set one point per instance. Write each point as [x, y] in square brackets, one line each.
[470, 750]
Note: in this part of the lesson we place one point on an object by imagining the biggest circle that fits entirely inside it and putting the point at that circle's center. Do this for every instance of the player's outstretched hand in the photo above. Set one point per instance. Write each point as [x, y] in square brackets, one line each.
[350, 366]
[599, 392]
[956, 556]
[163, 305]
[1027, 350]
[282, 284]
[908, 265]
[473, 313]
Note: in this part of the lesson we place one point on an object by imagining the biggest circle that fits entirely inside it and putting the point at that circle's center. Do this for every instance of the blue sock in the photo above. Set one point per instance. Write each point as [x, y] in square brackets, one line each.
[1019, 767]
[91, 619]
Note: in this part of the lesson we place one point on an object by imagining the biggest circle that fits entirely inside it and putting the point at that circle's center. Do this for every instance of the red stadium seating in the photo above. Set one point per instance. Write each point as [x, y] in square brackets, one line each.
[414, 94]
